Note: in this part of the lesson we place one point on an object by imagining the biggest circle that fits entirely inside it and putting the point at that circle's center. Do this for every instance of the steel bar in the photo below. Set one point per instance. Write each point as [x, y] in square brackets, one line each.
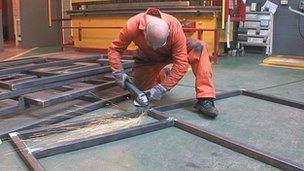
[274, 99]
[62, 77]
[34, 66]
[32, 163]
[6, 84]
[35, 98]
[239, 147]
[228, 94]
[21, 61]
[91, 141]
[53, 119]
[39, 73]
[14, 93]
[59, 128]
[79, 68]
[189, 102]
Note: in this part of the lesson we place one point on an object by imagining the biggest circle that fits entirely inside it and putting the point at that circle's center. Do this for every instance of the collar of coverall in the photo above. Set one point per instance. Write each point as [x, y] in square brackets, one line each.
[150, 11]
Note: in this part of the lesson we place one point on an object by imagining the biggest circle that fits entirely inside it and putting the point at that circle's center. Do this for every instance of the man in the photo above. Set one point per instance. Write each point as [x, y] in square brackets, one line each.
[161, 41]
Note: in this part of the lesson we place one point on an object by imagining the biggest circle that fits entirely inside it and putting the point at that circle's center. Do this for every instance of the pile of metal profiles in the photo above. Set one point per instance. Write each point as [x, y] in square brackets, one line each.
[31, 156]
[34, 83]
[172, 7]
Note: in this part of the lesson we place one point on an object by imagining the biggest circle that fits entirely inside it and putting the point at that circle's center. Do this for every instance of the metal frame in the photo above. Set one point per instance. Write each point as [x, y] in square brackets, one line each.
[163, 122]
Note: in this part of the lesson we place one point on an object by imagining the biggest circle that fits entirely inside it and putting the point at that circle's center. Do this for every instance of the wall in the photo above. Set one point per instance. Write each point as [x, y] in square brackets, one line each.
[34, 23]
[287, 39]
[1, 33]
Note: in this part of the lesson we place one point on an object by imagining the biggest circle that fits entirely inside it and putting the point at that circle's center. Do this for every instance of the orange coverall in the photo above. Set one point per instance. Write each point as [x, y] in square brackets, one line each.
[178, 51]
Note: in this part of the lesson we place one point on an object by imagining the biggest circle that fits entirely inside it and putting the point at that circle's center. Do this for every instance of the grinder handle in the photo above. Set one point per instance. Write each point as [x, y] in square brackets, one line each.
[132, 88]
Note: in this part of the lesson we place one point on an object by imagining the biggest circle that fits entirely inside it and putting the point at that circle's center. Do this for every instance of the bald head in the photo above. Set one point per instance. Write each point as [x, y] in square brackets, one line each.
[157, 32]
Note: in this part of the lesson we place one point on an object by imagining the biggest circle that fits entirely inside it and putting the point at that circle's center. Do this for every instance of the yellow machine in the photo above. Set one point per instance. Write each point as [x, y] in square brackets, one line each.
[96, 23]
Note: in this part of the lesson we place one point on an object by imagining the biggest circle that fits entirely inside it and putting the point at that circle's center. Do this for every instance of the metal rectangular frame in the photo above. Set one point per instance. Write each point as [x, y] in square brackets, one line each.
[30, 158]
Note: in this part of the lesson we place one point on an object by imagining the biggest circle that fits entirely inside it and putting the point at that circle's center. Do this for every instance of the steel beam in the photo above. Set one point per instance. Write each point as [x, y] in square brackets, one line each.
[189, 102]
[274, 99]
[62, 77]
[36, 99]
[6, 84]
[14, 106]
[34, 66]
[91, 141]
[21, 61]
[15, 93]
[31, 162]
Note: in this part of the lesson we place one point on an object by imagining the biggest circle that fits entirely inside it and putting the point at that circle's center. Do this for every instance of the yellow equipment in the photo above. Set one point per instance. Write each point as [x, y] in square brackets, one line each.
[95, 23]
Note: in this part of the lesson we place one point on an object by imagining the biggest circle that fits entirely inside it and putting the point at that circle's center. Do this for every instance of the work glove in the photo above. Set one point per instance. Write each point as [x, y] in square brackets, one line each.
[157, 92]
[120, 78]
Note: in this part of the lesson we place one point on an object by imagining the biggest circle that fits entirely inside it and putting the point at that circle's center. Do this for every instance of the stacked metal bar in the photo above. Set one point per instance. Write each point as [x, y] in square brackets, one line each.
[35, 83]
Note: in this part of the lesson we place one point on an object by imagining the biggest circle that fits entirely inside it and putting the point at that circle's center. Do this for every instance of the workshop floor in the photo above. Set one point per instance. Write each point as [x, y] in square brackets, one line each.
[265, 125]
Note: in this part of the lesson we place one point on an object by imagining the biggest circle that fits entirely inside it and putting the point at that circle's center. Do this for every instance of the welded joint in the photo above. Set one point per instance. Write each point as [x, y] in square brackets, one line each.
[243, 90]
[13, 134]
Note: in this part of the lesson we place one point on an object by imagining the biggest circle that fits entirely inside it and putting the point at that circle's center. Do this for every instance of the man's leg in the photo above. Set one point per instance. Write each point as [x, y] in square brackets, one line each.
[198, 57]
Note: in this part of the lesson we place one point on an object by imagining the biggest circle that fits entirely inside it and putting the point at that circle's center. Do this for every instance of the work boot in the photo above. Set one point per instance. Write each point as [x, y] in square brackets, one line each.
[206, 107]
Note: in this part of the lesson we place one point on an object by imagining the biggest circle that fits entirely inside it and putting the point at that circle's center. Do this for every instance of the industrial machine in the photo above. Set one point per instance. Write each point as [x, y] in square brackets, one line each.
[95, 23]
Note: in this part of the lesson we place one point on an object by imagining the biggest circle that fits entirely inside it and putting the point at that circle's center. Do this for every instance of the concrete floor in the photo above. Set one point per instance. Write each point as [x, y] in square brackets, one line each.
[268, 126]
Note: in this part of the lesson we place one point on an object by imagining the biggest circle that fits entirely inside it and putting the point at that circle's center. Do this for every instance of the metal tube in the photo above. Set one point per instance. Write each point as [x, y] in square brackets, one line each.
[49, 10]
[283, 101]
[91, 141]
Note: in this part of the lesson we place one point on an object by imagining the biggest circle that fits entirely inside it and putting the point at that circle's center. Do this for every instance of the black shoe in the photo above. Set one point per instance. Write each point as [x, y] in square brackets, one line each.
[206, 107]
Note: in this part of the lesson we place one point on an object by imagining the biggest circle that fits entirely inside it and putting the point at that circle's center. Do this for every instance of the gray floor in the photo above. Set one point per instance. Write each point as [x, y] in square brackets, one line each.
[268, 126]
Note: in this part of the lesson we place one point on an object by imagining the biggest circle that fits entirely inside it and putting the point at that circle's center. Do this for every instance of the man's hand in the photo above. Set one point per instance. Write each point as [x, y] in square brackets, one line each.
[157, 92]
[121, 77]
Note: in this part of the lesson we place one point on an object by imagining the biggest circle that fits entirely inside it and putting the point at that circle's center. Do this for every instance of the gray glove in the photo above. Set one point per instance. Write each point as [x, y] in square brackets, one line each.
[121, 77]
[157, 92]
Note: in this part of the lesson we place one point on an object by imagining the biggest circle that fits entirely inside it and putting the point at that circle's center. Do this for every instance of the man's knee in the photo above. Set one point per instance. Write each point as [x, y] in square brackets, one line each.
[197, 47]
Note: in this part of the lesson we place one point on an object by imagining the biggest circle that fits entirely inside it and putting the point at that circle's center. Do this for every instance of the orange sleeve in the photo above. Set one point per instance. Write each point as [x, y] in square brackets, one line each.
[179, 58]
[120, 44]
